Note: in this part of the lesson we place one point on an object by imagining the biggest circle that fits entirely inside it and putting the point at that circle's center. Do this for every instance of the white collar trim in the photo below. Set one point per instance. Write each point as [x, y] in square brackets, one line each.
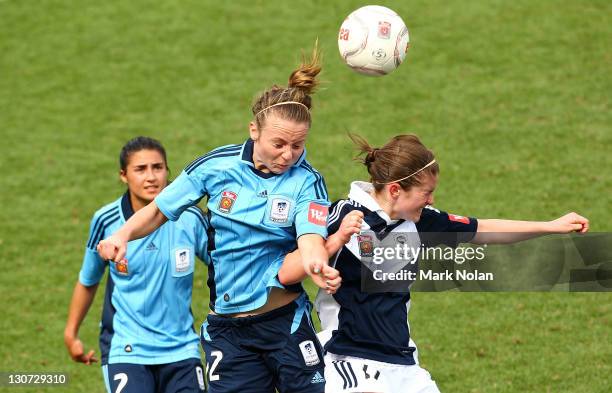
[360, 193]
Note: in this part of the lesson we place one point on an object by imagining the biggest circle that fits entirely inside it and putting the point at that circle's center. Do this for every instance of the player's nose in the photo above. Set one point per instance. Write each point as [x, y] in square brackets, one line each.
[150, 175]
[287, 154]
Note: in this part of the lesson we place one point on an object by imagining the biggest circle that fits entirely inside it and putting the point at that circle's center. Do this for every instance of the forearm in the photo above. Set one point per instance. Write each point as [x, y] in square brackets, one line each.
[82, 297]
[334, 243]
[142, 223]
[292, 271]
[312, 251]
[495, 231]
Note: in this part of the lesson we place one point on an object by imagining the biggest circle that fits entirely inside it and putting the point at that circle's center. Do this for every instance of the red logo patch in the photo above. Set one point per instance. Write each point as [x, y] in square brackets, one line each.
[456, 218]
[317, 214]
[227, 201]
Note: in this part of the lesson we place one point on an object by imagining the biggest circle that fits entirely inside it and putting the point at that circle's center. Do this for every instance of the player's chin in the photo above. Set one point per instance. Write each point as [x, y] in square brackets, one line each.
[278, 168]
[150, 196]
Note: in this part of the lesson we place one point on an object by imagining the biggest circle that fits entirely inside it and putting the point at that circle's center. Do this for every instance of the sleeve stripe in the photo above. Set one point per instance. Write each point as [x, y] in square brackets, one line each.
[234, 149]
[198, 213]
[320, 188]
[335, 215]
[100, 233]
[99, 221]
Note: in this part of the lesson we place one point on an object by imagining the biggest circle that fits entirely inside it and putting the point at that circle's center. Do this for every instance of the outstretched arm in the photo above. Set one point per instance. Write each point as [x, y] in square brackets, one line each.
[496, 231]
[142, 223]
[82, 297]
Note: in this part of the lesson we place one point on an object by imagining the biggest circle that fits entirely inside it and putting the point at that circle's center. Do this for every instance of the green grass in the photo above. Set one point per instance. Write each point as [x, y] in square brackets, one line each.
[513, 97]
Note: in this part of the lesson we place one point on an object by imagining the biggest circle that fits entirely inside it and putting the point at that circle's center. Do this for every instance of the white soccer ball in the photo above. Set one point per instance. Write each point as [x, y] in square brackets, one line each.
[373, 40]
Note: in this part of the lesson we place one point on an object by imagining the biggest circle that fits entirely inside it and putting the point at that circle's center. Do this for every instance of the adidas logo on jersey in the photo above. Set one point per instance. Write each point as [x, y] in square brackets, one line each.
[263, 194]
[151, 247]
[317, 378]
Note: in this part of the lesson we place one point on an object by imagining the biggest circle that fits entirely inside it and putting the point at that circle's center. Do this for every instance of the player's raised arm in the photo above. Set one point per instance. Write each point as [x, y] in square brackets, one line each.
[142, 223]
[496, 231]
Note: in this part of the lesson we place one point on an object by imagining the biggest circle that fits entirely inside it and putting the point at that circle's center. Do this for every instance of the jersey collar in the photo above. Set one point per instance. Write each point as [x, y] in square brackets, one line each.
[126, 206]
[246, 155]
[360, 193]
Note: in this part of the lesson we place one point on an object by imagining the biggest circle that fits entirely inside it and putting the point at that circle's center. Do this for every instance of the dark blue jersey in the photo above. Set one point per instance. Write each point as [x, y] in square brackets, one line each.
[375, 325]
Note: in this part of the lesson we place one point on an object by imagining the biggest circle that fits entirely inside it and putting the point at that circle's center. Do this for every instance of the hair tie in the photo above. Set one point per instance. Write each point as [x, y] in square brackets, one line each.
[371, 156]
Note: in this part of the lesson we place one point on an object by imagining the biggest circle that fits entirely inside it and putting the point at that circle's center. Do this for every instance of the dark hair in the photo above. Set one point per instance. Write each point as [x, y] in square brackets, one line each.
[402, 156]
[302, 84]
[137, 144]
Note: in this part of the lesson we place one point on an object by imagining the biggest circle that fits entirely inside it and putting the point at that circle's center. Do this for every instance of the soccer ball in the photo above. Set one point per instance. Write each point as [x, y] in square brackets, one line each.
[373, 40]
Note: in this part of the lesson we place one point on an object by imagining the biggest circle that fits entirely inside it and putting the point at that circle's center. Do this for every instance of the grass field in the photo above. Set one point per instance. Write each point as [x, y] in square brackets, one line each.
[513, 97]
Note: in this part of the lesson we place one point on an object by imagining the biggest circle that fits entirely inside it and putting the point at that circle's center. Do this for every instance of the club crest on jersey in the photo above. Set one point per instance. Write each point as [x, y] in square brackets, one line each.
[384, 29]
[309, 352]
[182, 260]
[279, 210]
[317, 214]
[227, 201]
[366, 246]
[122, 267]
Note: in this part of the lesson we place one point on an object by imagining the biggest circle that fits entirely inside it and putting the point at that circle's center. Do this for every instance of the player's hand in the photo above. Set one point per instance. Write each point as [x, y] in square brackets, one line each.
[75, 349]
[350, 225]
[328, 279]
[112, 248]
[570, 222]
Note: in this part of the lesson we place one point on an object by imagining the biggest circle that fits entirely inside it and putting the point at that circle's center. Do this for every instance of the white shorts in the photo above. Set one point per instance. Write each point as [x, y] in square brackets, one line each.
[347, 374]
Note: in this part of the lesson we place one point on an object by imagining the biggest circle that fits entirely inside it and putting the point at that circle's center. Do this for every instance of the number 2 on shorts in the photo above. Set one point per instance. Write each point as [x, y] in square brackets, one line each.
[123, 379]
[211, 372]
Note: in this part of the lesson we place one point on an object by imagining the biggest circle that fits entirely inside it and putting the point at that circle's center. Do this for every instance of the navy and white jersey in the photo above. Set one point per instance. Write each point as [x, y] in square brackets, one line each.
[375, 325]
[255, 219]
[147, 306]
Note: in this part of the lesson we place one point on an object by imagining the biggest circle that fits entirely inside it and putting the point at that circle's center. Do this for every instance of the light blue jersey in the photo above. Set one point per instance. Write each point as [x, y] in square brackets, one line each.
[255, 219]
[147, 307]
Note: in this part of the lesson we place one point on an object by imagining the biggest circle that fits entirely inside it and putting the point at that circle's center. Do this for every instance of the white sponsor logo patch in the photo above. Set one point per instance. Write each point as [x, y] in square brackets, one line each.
[182, 260]
[309, 352]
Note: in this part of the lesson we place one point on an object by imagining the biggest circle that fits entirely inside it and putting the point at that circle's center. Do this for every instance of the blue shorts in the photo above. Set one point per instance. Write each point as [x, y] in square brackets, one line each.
[185, 376]
[258, 354]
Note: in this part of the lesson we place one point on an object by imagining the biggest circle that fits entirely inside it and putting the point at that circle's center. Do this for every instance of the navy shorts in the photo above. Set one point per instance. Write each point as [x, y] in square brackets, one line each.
[258, 354]
[185, 376]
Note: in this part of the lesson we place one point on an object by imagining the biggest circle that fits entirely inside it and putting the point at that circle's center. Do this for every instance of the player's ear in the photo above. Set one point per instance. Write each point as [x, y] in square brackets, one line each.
[253, 131]
[123, 177]
[394, 190]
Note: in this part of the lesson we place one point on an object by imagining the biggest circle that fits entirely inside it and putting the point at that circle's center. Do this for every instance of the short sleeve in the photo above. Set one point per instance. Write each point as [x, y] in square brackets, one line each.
[185, 191]
[312, 207]
[93, 266]
[439, 227]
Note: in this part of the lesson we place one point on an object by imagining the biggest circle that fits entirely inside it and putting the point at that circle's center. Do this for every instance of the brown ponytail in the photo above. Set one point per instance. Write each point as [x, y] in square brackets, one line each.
[302, 84]
[402, 156]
